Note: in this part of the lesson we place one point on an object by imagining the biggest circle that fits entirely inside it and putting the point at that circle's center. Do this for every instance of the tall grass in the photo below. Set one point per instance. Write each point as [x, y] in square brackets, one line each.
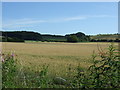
[103, 73]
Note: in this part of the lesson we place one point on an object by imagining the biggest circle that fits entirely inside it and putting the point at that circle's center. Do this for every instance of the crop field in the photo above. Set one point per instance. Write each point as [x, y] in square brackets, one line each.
[58, 56]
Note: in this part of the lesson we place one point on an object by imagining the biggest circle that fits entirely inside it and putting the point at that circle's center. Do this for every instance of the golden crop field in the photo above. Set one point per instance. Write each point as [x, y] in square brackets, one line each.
[59, 56]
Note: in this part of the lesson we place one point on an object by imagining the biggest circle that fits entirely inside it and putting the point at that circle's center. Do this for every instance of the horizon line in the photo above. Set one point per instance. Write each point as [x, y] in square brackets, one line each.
[58, 34]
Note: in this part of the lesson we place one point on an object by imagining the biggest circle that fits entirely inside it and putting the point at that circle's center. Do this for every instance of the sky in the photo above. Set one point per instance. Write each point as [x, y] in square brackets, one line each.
[61, 18]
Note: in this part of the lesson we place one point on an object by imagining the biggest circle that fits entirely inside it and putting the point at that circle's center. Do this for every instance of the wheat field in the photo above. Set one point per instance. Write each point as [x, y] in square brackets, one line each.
[58, 56]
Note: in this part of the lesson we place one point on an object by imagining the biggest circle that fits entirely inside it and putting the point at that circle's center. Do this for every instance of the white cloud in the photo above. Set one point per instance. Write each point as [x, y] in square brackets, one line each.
[101, 16]
[30, 22]
[74, 18]
[20, 23]
[26, 22]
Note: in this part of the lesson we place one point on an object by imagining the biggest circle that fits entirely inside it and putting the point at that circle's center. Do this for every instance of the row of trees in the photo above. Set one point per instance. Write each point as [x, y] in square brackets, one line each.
[104, 40]
[9, 39]
[78, 37]
[21, 36]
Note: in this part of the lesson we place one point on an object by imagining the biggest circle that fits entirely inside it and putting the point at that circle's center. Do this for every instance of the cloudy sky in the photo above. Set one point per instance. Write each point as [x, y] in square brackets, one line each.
[61, 17]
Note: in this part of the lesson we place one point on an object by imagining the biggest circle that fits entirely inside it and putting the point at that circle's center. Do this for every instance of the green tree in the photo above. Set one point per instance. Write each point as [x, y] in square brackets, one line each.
[72, 38]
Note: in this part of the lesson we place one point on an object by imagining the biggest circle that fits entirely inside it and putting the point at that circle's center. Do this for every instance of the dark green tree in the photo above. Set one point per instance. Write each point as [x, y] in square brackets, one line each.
[72, 38]
[23, 35]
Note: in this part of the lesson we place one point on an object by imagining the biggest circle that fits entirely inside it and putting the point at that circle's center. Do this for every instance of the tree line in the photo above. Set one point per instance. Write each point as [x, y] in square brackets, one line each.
[21, 36]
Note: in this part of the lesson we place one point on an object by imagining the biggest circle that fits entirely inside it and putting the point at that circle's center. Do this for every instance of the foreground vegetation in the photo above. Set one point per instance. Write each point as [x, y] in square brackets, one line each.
[103, 73]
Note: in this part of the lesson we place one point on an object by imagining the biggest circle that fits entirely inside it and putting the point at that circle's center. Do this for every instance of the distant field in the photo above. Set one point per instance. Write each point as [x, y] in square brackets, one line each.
[59, 56]
[107, 37]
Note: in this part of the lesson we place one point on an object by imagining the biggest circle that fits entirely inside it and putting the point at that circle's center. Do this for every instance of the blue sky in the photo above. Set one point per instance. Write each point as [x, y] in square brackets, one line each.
[61, 17]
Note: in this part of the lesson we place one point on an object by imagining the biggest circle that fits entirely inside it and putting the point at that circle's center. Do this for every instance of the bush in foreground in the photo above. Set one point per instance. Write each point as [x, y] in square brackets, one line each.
[104, 73]
[14, 76]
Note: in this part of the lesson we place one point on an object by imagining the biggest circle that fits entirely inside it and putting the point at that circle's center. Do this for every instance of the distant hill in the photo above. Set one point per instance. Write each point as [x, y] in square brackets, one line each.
[21, 36]
[105, 36]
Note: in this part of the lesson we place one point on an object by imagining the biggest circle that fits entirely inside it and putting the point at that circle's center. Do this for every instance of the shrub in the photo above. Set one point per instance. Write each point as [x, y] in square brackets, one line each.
[9, 71]
[13, 76]
[104, 73]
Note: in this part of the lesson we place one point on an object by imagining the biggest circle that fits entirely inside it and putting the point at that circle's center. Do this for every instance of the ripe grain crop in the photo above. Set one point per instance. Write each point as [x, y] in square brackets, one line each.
[59, 56]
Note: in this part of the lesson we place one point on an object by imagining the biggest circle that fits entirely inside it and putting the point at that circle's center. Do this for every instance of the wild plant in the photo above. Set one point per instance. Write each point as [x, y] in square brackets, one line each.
[103, 73]
[14, 76]
[9, 70]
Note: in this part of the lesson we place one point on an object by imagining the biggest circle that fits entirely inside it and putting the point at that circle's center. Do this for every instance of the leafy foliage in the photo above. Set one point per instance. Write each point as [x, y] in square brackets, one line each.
[104, 73]
[9, 71]
[23, 35]
[78, 37]
[20, 36]
[14, 76]
[9, 39]
[72, 38]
